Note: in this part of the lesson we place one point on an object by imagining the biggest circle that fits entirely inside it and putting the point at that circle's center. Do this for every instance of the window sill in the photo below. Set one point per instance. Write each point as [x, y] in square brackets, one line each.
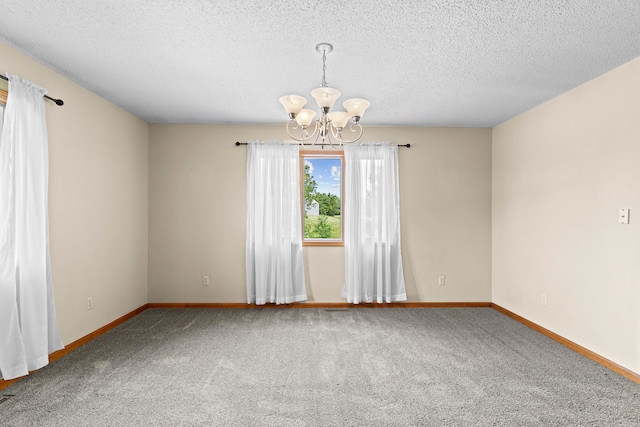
[323, 243]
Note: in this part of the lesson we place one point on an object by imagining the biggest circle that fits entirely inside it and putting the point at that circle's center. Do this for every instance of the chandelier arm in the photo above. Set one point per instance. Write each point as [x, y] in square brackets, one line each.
[288, 127]
[317, 136]
[351, 128]
[336, 135]
[315, 132]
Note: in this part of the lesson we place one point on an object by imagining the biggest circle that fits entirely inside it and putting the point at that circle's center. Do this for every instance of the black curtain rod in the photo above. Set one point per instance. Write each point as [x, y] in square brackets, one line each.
[57, 101]
[238, 143]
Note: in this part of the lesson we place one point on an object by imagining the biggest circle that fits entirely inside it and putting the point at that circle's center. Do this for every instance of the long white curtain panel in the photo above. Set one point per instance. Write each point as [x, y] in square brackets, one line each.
[28, 328]
[373, 261]
[275, 271]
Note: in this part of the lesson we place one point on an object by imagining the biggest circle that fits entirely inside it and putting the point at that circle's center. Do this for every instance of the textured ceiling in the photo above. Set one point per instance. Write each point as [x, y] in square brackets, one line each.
[473, 63]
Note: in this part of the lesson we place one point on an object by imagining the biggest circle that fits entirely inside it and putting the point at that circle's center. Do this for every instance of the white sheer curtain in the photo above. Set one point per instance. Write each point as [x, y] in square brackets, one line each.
[28, 328]
[373, 262]
[275, 272]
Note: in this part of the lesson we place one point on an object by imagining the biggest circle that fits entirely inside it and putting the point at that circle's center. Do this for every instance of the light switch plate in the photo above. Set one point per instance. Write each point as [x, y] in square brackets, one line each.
[623, 216]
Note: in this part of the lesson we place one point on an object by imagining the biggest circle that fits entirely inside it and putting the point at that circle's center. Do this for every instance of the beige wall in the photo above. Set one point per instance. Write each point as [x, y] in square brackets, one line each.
[97, 201]
[560, 173]
[197, 214]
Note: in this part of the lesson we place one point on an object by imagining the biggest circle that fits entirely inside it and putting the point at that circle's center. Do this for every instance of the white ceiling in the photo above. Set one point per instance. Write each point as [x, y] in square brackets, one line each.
[467, 63]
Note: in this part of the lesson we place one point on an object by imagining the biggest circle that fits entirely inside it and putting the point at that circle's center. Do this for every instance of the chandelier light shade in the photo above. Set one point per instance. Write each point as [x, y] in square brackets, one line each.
[338, 119]
[330, 125]
[293, 103]
[325, 96]
[356, 107]
[305, 117]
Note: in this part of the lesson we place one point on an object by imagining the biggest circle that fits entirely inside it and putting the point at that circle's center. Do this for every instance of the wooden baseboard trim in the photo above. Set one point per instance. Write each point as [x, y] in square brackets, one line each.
[82, 341]
[573, 346]
[6, 383]
[95, 334]
[315, 304]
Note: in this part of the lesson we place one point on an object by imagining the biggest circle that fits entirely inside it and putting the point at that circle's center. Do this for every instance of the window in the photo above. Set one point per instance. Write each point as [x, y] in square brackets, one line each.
[322, 191]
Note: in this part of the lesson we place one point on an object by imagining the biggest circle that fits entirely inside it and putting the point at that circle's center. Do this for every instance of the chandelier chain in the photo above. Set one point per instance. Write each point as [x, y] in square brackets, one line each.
[324, 69]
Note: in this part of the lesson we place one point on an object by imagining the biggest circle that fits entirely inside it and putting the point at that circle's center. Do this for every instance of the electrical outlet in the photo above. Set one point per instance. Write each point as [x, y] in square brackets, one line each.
[89, 303]
[205, 280]
[441, 280]
[544, 299]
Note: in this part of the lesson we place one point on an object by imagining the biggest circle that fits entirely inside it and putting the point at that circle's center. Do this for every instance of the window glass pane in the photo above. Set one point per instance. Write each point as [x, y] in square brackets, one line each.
[322, 187]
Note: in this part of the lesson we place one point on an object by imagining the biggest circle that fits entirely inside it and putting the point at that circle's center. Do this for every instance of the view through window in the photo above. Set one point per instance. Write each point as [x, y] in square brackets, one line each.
[322, 197]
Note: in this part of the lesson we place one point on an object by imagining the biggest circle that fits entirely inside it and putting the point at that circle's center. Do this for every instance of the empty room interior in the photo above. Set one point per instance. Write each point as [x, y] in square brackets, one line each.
[519, 192]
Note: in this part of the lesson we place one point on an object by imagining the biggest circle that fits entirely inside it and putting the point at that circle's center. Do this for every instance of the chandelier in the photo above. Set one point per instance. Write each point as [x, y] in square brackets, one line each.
[330, 125]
